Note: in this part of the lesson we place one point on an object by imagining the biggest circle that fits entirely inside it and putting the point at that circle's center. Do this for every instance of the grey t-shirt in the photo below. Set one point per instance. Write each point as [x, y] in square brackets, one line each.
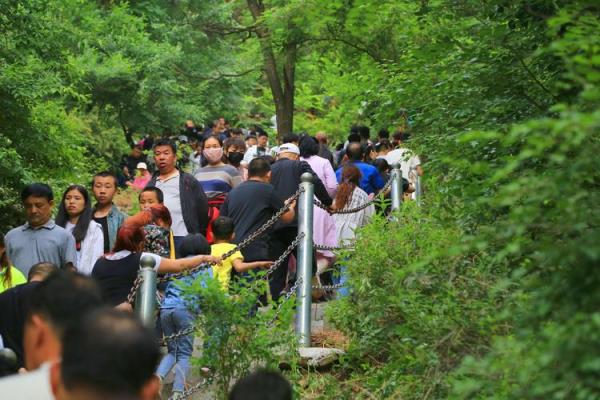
[49, 243]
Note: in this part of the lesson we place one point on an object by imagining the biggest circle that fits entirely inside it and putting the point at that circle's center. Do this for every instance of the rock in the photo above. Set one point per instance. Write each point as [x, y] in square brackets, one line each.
[316, 357]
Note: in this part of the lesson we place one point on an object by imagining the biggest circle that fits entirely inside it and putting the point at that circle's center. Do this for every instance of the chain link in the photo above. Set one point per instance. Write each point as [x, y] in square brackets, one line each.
[187, 393]
[291, 292]
[184, 332]
[183, 273]
[133, 292]
[284, 255]
[362, 206]
[333, 248]
[328, 287]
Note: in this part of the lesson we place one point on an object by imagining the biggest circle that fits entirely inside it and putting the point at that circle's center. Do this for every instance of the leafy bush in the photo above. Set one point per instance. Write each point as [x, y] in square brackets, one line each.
[236, 338]
[419, 303]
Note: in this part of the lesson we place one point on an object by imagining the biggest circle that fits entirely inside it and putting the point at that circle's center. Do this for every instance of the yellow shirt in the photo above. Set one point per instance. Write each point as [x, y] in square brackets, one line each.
[17, 278]
[223, 272]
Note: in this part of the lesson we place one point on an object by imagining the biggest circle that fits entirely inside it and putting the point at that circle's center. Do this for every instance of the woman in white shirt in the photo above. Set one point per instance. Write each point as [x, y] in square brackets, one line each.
[349, 196]
[75, 215]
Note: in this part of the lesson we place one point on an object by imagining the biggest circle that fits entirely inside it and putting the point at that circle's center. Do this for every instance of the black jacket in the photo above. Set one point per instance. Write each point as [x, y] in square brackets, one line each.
[194, 204]
[285, 177]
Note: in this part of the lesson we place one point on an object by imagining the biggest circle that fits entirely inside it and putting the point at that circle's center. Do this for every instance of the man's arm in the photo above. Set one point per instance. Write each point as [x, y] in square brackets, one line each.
[289, 215]
[70, 254]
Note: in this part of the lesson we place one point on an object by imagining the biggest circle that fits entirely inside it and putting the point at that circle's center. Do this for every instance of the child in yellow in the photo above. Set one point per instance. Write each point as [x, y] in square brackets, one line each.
[223, 234]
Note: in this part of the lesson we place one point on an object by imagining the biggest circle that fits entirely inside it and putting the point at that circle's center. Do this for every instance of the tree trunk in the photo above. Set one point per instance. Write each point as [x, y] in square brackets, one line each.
[126, 131]
[282, 87]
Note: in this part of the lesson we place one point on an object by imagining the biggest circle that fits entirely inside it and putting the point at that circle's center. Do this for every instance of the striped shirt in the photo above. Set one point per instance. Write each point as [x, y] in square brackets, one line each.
[218, 180]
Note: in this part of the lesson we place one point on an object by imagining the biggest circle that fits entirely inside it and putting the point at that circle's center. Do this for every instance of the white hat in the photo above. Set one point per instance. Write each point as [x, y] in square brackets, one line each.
[288, 148]
[142, 165]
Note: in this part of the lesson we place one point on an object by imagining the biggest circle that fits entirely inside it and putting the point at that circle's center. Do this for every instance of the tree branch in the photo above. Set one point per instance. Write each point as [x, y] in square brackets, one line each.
[362, 49]
[535, 79]
[219, 76]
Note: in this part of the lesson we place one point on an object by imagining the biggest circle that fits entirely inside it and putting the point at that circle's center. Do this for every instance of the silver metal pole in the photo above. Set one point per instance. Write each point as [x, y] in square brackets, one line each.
[418, 188]
[396, 187]
[305, 259]
[145, 301]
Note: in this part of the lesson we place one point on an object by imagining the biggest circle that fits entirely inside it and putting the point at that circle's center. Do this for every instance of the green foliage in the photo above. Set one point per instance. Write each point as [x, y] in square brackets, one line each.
[238, 339]
[419, 303]
[79, 80]
[490, 291]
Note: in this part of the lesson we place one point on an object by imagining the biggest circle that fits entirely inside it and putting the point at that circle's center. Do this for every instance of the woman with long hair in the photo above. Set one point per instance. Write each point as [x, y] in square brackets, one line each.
[75, 214]
[9, 275]
[117, 271]
[350, 195]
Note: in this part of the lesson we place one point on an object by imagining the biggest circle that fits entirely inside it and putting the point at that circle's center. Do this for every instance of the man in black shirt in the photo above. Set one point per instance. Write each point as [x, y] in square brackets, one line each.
[250, 205]
[286, 179]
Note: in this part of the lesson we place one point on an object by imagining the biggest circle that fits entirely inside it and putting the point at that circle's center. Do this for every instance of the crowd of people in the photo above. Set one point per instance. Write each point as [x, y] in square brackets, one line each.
[193, 210]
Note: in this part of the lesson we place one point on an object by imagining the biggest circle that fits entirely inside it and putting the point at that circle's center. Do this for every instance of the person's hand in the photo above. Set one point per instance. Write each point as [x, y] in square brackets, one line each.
[265, 264]
[124, 306]
[290, 203]
[214, 260]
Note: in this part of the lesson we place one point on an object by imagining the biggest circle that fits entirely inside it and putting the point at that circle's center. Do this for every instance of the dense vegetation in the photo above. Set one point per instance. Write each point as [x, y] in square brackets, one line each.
[490, 290]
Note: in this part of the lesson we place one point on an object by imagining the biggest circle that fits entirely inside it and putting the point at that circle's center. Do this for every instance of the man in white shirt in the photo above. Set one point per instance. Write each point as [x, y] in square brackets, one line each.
[260, 149]
[55, 304]
[410, 163]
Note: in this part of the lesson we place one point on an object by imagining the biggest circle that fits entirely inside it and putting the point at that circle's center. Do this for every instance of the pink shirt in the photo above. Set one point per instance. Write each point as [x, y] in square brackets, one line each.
[324, 171]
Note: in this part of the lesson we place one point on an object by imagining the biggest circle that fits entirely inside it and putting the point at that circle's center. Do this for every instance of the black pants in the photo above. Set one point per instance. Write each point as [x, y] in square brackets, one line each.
[280, 240]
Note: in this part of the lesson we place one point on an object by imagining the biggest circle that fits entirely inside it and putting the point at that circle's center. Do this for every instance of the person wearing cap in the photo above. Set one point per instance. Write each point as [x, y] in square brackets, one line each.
[285, 177]
[129, 163]
[142, 178]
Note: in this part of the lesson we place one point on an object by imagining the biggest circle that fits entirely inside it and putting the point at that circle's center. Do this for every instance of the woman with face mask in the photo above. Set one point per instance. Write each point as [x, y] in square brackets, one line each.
[75, 215]
[216, 178]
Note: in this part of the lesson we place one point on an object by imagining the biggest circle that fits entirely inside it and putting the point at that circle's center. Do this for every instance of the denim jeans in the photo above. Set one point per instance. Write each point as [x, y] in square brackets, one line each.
[172, 321]
[340, 277]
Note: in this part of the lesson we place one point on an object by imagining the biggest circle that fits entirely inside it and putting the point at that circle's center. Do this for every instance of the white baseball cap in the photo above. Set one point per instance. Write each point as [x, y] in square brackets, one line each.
[288, 148]
[142, 165]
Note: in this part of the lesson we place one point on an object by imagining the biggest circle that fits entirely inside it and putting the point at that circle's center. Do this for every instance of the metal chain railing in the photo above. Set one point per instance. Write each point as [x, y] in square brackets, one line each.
[291, 292]
[328, 287]
[184, 332]
[283, 256]
[187, 393]
[333, 248]
[362, 206]
[132, 293]
[242, 244]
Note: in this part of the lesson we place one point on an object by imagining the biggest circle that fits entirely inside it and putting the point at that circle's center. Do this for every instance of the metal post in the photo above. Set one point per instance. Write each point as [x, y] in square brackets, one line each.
[305, 259]
[145, 301]
[396, 187]
[418, 188]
